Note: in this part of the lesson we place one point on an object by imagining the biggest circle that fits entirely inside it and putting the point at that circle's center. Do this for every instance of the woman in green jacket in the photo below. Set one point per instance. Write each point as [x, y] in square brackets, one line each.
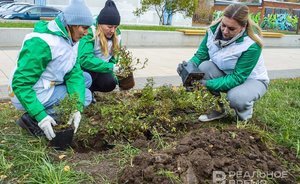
[230, 57]
[97, 49]
[47, 70]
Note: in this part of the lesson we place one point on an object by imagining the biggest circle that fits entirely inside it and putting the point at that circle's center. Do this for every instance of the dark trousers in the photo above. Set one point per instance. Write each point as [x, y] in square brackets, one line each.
[103, 82]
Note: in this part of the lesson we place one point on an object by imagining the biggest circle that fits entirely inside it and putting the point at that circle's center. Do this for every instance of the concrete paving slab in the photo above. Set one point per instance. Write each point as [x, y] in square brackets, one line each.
[12, 54]
[282, 59]
[164, 61]
[3, 77]
[3, 93]
[281, 63]
[175, 80]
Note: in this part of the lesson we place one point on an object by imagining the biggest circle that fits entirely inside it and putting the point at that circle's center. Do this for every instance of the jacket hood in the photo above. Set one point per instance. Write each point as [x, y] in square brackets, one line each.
[55, 27]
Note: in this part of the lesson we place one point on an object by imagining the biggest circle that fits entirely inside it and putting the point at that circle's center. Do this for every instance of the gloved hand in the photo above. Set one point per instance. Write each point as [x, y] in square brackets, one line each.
[46, 125]
[180, 67]
[116, 68]
[75, 119]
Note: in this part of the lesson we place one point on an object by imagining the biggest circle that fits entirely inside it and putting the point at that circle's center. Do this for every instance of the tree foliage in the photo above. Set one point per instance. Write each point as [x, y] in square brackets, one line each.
[172, 6]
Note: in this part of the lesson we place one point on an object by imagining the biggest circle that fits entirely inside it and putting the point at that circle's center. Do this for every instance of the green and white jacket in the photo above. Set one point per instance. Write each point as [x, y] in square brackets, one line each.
[47, 58]
[90, 56]
[241, 60]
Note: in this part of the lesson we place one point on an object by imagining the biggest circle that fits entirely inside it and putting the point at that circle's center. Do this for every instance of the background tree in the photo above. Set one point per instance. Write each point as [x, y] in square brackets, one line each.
[172, 6]
[203, 12]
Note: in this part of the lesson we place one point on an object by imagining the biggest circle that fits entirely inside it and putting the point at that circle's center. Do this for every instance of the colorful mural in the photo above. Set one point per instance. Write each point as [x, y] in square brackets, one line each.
[282, 22]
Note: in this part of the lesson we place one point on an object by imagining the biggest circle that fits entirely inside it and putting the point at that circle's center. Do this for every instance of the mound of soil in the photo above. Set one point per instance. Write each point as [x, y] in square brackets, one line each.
[237, 154]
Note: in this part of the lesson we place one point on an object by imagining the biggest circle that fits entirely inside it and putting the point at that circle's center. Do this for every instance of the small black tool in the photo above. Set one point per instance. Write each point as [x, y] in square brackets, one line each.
[189, 74]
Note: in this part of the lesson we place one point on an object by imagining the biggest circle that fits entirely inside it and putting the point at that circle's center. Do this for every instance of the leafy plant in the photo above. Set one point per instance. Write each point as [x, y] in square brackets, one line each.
[255, 17]
[64, 110]
[203, 14]
[128, 64]
[158, 110]
[276, 113]
[173, 6]
[217, 15]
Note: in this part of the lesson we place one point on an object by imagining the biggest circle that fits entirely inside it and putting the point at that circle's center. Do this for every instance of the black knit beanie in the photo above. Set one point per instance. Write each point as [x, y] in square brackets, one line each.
[109, 14]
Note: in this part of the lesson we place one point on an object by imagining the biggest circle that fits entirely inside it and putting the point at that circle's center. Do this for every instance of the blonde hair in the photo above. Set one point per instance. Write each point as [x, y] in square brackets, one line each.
[240, 13]
[104, 43]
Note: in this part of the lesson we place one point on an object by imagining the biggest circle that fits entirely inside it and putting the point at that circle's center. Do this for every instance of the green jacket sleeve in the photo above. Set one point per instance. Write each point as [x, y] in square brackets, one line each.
[76, 85]
[32, 62]
[88, 60]
[242, 70]
[202, 52]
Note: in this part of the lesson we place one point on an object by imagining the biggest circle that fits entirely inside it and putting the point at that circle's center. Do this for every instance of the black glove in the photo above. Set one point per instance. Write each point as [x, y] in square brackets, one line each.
[180, 67]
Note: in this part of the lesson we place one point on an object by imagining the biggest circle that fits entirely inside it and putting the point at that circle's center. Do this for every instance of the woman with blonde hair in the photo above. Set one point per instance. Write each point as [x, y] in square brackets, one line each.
[231, 59]
[96, 50]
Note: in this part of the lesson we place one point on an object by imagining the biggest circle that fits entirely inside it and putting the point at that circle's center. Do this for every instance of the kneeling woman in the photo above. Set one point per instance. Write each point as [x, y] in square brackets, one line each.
[230, 57]
[96, 49]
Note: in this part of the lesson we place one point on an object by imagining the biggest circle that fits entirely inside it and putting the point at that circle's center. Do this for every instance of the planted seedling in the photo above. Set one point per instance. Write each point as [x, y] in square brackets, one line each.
[64, 131]
[128, 64]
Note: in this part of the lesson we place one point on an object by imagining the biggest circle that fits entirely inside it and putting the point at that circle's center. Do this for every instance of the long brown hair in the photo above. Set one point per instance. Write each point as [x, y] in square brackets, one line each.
[240, 13]
[104, 42]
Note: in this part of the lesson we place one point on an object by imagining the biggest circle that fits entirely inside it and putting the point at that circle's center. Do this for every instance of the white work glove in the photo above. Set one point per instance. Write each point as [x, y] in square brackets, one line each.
[116, 68]
[75, 119]
[46, 125]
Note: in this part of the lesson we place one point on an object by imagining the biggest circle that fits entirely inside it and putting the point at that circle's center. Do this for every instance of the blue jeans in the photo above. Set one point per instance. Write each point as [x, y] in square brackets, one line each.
[60, 93]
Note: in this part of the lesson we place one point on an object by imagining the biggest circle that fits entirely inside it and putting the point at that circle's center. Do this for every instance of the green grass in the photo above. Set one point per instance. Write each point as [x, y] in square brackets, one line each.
[11, 24]
[170, 175]
[25, 159]
[17, 24]
[122, 27]
[279, 110]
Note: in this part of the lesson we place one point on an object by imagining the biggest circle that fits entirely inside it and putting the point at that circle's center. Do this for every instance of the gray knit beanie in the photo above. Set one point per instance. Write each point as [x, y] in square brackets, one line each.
[77, 13]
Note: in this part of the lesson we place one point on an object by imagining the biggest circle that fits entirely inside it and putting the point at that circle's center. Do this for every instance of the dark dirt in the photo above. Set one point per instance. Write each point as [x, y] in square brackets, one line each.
[101, 171]
[193, 160]
[201, 152]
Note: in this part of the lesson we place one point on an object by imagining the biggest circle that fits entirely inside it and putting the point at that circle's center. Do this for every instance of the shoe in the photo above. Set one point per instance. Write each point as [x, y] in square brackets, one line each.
[213, 115]
[29, 124]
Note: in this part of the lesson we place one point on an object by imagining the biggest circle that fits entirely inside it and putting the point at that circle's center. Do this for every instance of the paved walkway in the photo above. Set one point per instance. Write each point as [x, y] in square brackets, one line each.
[281, 63]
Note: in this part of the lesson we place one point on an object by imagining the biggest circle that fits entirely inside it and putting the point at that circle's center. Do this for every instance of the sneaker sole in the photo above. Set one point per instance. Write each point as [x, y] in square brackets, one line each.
[207, 120]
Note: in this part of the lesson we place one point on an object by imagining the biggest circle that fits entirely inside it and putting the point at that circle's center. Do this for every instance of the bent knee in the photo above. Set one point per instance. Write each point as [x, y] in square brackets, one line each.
[237, 101]
[206, 66]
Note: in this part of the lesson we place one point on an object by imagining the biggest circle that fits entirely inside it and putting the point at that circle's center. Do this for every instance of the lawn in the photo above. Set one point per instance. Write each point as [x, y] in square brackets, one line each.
[10, 24]
[157, 139]
[30, 24]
